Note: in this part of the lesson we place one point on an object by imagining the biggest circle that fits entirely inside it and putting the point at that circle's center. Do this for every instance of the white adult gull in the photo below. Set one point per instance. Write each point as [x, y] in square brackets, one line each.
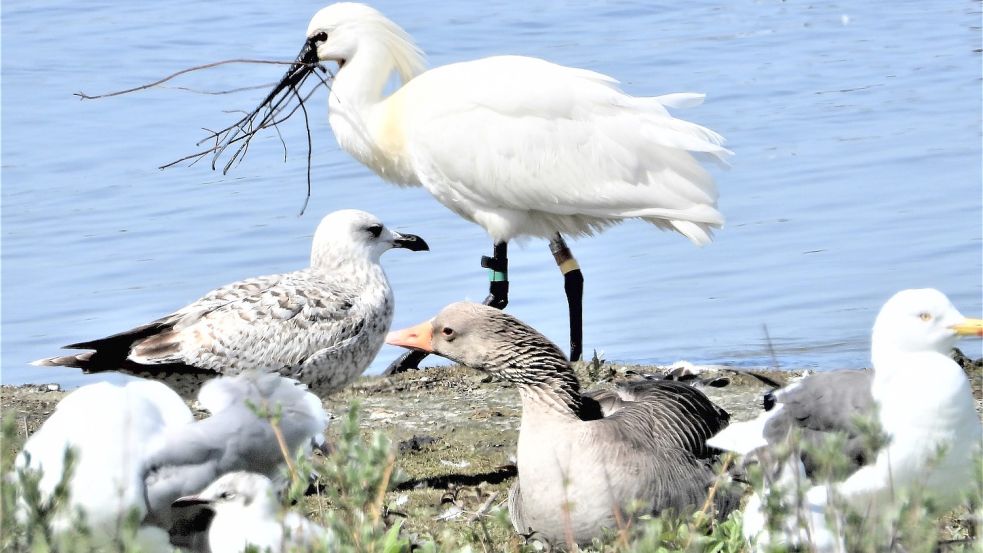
[137, 447]
[322, 325]
[519, 145]
[924, 405]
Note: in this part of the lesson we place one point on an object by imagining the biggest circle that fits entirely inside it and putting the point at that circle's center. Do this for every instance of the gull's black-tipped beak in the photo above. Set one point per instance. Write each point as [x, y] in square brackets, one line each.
[411, 242]
[190, 501]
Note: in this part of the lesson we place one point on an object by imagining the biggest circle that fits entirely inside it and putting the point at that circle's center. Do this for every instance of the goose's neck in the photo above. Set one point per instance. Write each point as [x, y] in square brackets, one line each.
[547, 382]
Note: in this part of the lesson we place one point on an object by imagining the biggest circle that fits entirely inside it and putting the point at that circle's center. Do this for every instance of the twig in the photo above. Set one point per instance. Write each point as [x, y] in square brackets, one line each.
[85, 96]
[380, 492]
[284, 450]
[483, 509]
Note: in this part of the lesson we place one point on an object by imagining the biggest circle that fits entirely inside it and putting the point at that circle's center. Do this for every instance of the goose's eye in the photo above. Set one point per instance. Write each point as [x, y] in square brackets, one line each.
[319, 37]
[925, 316]
[447, 331]
[375, 230]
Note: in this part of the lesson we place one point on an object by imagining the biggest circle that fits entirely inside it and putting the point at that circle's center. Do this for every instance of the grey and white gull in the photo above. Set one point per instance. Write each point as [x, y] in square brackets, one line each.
[583, 458]
[322, 325]
[922, 401]
[138, 447]
[247, 513]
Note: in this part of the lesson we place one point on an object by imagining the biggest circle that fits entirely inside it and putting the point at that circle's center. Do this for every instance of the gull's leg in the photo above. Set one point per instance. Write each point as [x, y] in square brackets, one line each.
[573, 285]
[498, 297]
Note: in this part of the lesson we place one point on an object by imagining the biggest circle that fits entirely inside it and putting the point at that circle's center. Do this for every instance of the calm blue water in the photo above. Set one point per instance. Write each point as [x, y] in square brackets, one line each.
[856, 126]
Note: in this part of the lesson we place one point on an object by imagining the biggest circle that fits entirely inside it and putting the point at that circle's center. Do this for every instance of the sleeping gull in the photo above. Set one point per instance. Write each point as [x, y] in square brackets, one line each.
[924, 406]
[583, 458]
[248, 514]
[138, 447]
[518, 145]
[322, 325]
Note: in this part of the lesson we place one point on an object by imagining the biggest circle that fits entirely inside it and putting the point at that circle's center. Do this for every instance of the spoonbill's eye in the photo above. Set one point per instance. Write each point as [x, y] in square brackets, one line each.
[925, 316]
[319, 37]
[375, 230]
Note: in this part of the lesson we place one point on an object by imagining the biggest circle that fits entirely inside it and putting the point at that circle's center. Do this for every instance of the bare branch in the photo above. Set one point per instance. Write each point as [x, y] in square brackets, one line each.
[85, 96]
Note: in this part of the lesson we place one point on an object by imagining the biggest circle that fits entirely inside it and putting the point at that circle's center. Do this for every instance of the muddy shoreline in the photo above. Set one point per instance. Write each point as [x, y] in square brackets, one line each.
[456, 429]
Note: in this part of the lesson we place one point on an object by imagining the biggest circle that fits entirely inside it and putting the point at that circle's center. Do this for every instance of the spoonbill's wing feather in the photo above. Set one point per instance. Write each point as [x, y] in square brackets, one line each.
[574, 147]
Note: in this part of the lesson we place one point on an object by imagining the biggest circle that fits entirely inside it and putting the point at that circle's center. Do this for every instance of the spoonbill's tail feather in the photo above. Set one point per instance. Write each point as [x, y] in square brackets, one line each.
[679, 100]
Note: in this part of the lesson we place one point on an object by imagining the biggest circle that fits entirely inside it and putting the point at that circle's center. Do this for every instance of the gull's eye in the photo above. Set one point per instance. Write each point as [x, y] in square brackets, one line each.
[226, 496]
[374, 230]
[925, 316]
[319, 37]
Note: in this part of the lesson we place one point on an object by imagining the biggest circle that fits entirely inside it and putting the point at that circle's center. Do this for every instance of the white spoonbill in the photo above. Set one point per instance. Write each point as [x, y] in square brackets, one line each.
[518, 145]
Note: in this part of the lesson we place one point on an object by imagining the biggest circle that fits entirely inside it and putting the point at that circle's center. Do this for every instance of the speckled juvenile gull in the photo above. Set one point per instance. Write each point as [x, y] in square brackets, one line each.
[322, 325]
[247, 513]
[924, 405]
[138, 446]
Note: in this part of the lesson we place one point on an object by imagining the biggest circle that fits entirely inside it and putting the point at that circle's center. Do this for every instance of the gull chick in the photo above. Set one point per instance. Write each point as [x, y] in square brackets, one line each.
[248, 514]
[322, 325]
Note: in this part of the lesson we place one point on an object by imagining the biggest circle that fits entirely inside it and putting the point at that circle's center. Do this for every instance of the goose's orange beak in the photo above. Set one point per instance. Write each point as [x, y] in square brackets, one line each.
[415, 337]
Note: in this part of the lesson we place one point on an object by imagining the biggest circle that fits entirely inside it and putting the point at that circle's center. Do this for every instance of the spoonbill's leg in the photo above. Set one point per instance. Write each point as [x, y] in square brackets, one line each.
[498, 278]
[573, 284]
[498, 297]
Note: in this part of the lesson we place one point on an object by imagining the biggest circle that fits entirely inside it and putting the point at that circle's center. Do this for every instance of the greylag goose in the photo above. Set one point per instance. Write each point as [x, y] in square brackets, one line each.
[924, 403]
[322, 325]
[582, 458]
[247, 514]
[137, 447]
[518, 145]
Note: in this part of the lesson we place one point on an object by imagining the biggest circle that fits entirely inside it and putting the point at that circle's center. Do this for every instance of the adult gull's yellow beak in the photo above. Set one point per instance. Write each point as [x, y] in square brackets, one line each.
[969, 327]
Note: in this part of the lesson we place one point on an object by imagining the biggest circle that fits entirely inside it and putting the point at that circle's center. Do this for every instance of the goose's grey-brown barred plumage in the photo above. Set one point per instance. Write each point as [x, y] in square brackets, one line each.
[321, 325]
[582, 457]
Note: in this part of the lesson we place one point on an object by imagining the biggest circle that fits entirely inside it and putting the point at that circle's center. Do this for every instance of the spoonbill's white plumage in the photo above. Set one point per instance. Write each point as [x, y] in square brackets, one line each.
[322, 325]
[248, 514]
[924, 405]
[138, 447]
[518, 145]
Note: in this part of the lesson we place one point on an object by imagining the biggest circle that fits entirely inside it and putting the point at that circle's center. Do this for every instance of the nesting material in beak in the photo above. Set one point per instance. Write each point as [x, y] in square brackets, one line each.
[969, 327]
[419, 337]
[411, 242]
